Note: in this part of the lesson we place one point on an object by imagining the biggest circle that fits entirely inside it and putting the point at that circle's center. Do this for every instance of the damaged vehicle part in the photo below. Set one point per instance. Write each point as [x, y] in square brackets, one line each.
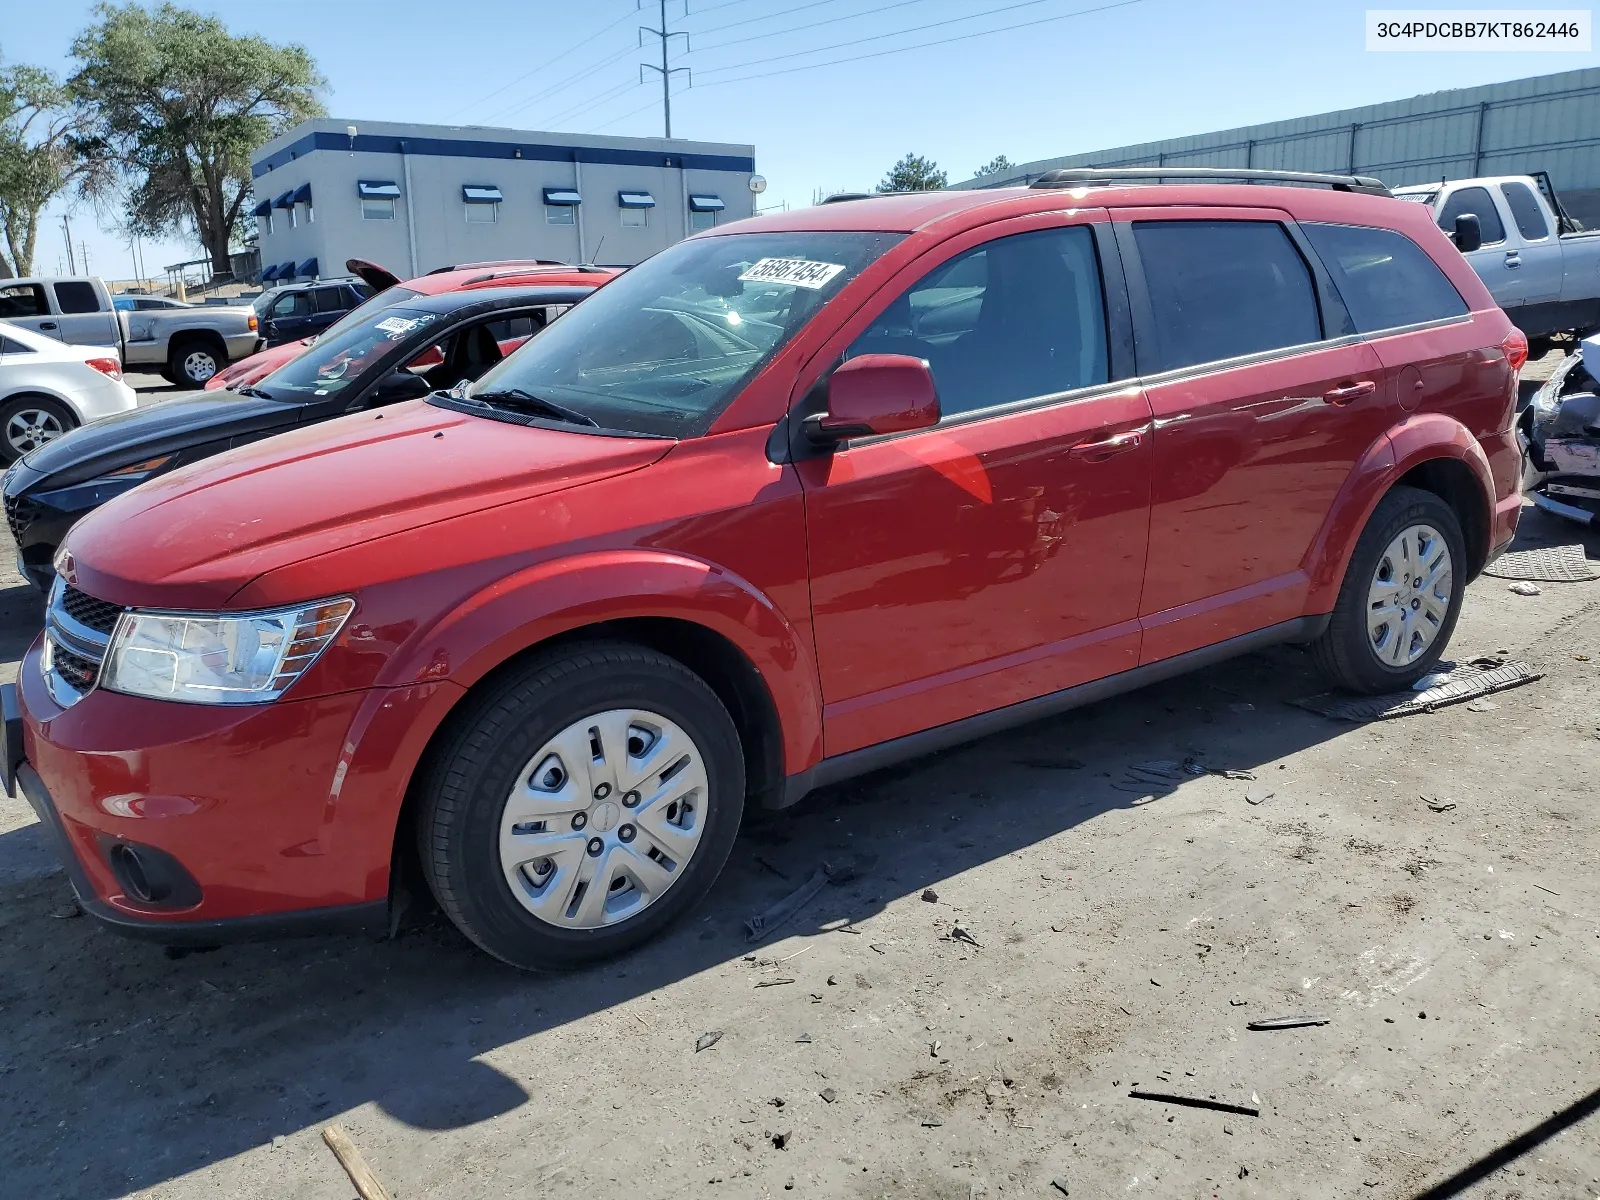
[1560, 430]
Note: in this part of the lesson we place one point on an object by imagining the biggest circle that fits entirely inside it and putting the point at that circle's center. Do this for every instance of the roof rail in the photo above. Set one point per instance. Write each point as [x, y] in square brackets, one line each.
[1085, 176]
[840, 197]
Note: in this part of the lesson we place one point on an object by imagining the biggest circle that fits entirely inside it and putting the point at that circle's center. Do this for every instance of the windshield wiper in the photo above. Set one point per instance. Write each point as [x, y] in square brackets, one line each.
[528, 402]
[244, 389]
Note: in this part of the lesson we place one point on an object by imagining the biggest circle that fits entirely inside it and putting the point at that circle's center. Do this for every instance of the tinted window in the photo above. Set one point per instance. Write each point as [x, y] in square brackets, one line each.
[1017, 317]
[331, 300]
[1525, 211]
[336, 361]
[77, 296]
[295, 304]
[22, 300]
[1473, 200]
[1219, 289]
[11, 346]
[664, 347]
[1385, 278]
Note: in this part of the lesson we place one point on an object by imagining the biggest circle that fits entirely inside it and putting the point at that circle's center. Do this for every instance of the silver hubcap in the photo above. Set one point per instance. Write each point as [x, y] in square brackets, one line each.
[199, 365]
[1410, 596]
[603, 819]
[31, 428]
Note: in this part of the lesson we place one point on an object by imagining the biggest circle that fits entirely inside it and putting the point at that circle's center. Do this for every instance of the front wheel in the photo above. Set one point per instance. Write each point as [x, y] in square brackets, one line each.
[193, 363]
[1400, 598]
[583, 803]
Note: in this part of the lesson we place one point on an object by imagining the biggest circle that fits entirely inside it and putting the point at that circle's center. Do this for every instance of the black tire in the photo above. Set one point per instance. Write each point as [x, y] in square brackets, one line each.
[464, 791]
[53, 409]
[1344, 652]
[188, 361]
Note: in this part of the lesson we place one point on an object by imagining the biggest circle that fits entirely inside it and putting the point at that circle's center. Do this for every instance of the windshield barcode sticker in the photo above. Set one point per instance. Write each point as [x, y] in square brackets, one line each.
[397, 327]
[799, 272]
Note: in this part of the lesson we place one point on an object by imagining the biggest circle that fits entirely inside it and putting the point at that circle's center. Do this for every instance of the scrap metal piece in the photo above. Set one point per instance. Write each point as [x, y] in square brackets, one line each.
[1288, 1022]
[781, 913]
[1547, 564]
[1466, 683]
[1244, 1110]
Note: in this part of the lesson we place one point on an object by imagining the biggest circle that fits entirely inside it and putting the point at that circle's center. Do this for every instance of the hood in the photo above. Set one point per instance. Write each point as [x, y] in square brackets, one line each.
[258, 366]
[139, 433]
[374, 276]
[193, 538]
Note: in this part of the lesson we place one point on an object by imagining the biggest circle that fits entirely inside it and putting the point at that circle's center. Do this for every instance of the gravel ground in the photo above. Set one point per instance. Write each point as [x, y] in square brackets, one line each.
[1118, 938]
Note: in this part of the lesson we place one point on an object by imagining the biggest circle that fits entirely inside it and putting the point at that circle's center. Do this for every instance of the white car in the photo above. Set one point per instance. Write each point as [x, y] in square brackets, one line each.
[48, 387]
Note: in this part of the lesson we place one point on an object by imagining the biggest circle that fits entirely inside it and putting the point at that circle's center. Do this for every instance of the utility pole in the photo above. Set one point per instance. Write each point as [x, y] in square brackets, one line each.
[83, 253]
[667, 72]
[72, 263]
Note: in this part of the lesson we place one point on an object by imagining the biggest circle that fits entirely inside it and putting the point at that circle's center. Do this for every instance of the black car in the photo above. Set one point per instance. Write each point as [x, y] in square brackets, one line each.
[299, 310]
[399, 352]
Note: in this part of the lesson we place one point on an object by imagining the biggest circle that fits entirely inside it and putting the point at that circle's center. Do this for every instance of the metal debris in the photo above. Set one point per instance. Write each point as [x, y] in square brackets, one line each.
[931, 1122]
[1244, 1110]
[773, 982]
[1438, 805]
[803, 1040]
[828, 1095]
[781, 913]
[707, 1040]
[1548, 564]
[1227, 773]
[958, 934]
[1467, 681]
[1287, 1022]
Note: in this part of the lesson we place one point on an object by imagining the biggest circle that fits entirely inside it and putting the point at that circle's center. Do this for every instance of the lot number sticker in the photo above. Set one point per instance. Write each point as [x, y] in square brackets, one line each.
[799, 272]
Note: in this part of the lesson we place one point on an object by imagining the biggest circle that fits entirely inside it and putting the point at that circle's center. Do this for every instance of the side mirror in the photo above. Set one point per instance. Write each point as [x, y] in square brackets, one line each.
[398, 386]
[879, 393]
[1468, 234]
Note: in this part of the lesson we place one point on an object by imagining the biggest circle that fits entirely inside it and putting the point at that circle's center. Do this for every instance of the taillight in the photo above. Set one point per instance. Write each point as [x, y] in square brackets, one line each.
[1515, 346]
[254, 324]
[106, 366]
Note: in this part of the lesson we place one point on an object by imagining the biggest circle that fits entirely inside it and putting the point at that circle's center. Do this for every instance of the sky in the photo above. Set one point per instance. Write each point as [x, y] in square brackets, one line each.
[945, 78]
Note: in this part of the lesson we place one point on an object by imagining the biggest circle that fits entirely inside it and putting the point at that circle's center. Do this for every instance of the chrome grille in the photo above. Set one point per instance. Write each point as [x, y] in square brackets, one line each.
[77, 629]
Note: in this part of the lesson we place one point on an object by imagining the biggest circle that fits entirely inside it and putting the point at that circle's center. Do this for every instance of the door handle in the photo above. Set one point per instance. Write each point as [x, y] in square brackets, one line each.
[48, 325]
[1513, 259]
[1103, 448]
[1350, 391]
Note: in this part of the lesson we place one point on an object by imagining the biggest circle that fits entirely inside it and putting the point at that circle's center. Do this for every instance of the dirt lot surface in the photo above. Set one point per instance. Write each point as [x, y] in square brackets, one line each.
[1117, 935]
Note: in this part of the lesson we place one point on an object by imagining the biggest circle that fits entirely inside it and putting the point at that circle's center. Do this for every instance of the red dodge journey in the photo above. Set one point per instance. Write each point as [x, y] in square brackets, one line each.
[796, 498]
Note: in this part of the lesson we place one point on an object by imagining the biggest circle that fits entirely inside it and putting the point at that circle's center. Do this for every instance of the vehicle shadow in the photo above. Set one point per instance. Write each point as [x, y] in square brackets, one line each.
[179, 1064]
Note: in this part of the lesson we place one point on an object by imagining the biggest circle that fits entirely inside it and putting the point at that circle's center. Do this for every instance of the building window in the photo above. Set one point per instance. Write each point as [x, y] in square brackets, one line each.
[380, 209]
[635, 206]
[292, 221]
[482, 202]
[482, 214]
[634, 218]
[377, 198]
[560, 205]
[703, 210]
[269, 220]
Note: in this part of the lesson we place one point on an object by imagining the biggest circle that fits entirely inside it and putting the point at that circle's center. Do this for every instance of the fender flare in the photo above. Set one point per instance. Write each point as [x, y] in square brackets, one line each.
[564, 595]
[1406, 446]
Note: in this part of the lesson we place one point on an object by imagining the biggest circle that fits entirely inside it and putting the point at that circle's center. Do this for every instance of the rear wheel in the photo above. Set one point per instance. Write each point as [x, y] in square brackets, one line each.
[195, 361]
[28, 422]
[583, 804]
[1400, 598]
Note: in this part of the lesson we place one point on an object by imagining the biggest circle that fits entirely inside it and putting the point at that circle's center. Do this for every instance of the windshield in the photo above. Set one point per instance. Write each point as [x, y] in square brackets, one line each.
[663, 348]
[338, 359]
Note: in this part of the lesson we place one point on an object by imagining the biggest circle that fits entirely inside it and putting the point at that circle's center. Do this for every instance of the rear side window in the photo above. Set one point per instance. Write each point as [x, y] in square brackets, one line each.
[76, 296]
[1525, 211]
[1219, 289]
[23, 300]
[12, 346]
[331, 300]
[1473, 200]
[1014, 318]
[1385, 278]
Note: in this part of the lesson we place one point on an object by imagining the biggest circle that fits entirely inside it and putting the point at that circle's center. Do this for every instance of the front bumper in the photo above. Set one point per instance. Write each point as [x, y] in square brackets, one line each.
[39, 519]
[255, 821]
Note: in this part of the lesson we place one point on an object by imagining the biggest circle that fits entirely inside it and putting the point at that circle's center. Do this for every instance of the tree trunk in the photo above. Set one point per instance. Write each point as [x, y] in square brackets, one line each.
[23, 258]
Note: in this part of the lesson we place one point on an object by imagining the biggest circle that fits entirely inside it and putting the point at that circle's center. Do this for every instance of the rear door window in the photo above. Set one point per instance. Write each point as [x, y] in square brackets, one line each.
[1014, 318]
[1474, 200]
[23, 300]
[1385, 279]
[77, 296]
[331, 300]
[1525, 211]
[1221, 289]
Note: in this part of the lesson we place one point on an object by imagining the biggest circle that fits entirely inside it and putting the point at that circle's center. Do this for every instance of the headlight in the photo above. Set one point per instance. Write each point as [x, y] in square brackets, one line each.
[243, 658]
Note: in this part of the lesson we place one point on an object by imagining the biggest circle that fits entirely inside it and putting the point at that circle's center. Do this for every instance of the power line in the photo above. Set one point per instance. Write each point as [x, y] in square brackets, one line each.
[782, 12]
[577, 110]
[993, 12]
[904, 49]
[756, 37]
[547, 63]
[551, 90]
[617, 120]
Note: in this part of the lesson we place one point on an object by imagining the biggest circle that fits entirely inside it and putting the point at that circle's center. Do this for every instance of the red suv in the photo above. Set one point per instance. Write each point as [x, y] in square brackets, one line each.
[791, 500]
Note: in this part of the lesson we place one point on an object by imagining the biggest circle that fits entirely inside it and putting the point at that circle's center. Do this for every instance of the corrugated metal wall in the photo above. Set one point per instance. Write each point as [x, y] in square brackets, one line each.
[1548, 122]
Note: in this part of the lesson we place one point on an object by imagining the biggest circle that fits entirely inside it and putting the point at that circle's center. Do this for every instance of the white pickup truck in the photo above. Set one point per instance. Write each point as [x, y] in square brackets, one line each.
[1538, 265]
[186, 345]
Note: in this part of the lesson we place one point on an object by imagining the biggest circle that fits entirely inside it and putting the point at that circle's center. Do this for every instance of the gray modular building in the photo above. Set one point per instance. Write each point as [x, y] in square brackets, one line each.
[413, 198]
[1548, 122]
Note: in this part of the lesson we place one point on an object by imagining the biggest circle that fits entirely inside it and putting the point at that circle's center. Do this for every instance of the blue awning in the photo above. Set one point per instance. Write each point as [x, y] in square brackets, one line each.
[481, 193]
[284, 201]
[562, 196]
[706, 204]
[307, 269]
[302, 194]
[377, 189]
[261, 209]
[635, 200]
[268, 274]
[286, 271]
